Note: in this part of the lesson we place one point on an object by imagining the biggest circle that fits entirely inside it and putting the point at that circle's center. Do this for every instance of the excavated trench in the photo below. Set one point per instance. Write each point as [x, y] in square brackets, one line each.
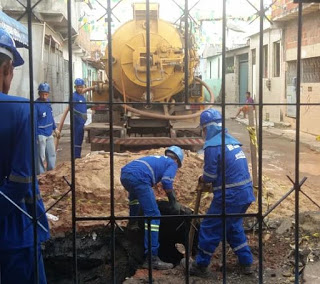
[94, 251]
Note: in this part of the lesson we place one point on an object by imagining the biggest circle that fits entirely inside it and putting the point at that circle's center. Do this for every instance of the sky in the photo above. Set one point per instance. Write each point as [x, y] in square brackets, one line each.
[239, 13]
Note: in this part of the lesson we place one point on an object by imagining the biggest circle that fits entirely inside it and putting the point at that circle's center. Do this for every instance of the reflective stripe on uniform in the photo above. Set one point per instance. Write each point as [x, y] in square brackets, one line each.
[240, 246]
[151, 170]
[233, 184]
[209, 175]
[20, 179]
[45, 126]
[154, 228]
[205, 252]
[29, 200]
[84, 116]
[213, 123]
[168, 178]
[134, 202]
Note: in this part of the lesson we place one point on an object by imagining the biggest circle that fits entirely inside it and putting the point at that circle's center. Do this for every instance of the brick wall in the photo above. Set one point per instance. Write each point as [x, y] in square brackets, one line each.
[310, 31]
[282, 7]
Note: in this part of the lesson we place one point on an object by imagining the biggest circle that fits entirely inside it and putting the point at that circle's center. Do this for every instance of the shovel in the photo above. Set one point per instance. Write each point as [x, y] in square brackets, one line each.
[201, 187]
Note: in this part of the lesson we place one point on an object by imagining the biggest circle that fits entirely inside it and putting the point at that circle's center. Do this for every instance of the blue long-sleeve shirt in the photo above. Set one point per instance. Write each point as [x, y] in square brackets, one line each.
[153, 169]
[16, 176]
[80, 110]
[238, 181]
[45, 120]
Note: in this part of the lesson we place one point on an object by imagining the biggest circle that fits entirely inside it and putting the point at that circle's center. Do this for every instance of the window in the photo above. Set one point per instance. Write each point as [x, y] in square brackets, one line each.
[265, 61]
[229, 65]
[311, 70]
[276, 59]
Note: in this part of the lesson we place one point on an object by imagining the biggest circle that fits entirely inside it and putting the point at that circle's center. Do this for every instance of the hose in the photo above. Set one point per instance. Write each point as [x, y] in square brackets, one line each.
[172, 117]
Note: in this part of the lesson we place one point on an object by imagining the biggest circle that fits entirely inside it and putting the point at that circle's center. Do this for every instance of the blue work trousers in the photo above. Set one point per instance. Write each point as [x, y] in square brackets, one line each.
[46, 153]
[78, 137]
[143, 193]
[18, 266]
[211, 233]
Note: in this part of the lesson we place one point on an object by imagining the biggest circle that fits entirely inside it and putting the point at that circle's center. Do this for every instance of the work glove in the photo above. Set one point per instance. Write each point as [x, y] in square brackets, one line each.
[56, 133]
[204, 187]
[200, 179]
[173, 202]
[176, 208]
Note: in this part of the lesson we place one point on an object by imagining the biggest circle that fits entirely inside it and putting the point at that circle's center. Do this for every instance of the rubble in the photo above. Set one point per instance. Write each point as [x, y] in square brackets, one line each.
[92, 183]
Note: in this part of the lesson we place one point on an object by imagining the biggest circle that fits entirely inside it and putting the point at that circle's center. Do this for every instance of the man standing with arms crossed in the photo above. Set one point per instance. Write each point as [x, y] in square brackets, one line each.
[46, 127]
[17, 263]
[80, 115]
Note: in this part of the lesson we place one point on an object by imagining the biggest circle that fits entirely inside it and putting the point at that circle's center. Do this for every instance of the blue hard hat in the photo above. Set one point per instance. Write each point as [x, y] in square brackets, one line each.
[44, 87]
[79, 82]
[209, 115]
[177, 151]
[8, 47]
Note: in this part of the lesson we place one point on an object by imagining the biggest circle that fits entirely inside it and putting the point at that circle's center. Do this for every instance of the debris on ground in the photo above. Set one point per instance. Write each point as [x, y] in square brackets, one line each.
[92, 184]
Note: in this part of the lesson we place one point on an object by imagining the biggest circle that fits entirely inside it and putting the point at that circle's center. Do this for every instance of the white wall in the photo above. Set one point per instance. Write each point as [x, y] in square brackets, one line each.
[276, 93]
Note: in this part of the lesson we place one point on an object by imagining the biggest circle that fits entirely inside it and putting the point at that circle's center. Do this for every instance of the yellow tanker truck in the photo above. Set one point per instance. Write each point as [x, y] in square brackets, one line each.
[167, 120]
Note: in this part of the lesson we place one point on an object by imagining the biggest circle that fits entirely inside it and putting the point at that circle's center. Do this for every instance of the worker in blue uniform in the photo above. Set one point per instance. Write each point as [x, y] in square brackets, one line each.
[80, 115]
[238, 195]
[46, 129]
[138, 177]
[17, 262]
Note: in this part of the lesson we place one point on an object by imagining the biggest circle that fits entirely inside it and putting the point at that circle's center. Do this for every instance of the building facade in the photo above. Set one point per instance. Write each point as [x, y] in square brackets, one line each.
[285, 16]
[50, 49]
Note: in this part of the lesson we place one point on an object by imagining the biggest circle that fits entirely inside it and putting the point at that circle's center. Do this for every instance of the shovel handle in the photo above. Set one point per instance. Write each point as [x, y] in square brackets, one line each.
[194, 220]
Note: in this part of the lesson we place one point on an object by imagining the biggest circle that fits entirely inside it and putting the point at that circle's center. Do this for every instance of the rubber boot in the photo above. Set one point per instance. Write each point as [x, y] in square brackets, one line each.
[157, 263]
[133, 225]
[195, 269]
[246, 269]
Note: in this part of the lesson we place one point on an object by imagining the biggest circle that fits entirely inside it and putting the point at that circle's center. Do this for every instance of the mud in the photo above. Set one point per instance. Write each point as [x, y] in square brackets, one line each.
[94, 251]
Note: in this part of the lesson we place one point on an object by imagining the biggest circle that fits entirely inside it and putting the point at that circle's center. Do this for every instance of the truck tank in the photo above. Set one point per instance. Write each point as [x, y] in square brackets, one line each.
[156, 124]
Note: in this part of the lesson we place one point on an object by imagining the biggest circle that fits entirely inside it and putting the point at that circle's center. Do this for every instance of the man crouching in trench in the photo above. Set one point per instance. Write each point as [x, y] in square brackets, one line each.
[138, 177]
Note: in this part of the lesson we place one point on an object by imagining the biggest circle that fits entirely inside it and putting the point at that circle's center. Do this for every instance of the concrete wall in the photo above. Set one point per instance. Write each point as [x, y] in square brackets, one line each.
[20, 84]
[213, 78]
[273, 87]
[310, 53]
[49, 65]
[232, 79]
[47, 7]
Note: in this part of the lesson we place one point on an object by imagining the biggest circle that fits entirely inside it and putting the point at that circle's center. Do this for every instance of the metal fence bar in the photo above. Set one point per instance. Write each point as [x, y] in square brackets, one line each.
[33, 151]
[182, 103]
[223, 166]
[72, 142]
[148, 49]
[260, 172]
[111, 136]
[297, 150]
[112, 218]
[186, 51]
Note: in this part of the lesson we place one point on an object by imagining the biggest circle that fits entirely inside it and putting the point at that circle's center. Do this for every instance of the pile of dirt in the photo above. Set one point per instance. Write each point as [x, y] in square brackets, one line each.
[92, 183]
